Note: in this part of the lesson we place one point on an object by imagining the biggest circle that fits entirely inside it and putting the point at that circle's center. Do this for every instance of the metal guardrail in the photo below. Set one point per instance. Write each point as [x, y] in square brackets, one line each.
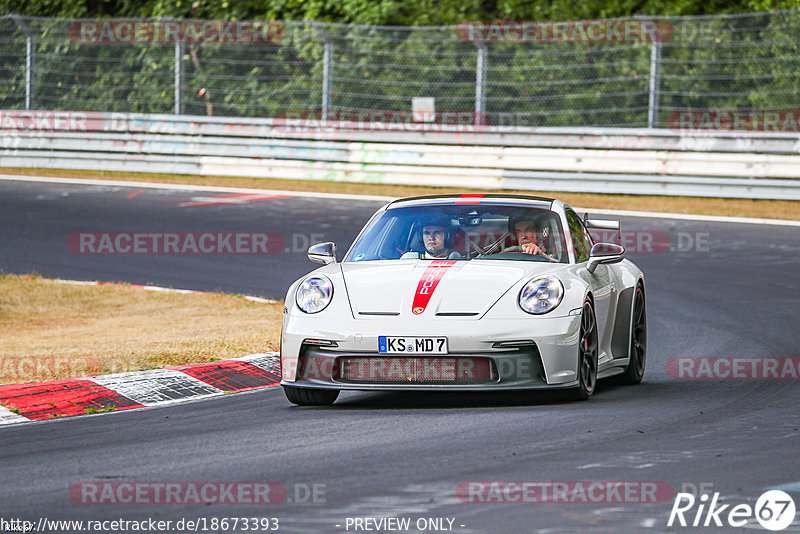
[627, 161]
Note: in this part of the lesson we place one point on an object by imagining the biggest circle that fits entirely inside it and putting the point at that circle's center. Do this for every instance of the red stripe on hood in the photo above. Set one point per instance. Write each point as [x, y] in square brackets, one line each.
[427, 284]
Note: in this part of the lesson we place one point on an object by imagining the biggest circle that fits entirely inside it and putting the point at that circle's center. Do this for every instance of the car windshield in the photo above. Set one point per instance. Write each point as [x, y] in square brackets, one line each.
[455, 232]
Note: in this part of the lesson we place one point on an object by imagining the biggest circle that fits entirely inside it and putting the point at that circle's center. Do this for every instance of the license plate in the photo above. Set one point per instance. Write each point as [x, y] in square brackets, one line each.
[412, 345]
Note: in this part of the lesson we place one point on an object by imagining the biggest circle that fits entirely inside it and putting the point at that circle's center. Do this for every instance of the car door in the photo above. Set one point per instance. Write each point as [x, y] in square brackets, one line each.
[601, 281]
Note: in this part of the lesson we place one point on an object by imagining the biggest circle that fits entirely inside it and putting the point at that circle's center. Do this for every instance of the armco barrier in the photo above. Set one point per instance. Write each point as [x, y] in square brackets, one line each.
[630, 161]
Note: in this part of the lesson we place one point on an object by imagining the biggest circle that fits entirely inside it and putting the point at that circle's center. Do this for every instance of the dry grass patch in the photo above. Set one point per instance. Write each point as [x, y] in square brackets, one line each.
[771, 209]
[53, 330]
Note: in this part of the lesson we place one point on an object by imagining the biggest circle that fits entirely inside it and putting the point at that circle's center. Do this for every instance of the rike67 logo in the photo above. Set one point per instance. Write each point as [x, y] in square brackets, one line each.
[774, 510]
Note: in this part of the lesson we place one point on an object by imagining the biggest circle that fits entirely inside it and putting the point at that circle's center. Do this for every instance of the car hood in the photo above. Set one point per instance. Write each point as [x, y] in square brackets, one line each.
[432, 288]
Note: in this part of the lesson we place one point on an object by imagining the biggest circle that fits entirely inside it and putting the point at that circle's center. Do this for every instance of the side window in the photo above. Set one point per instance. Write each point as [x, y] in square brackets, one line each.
[581, 241]
[551, 238]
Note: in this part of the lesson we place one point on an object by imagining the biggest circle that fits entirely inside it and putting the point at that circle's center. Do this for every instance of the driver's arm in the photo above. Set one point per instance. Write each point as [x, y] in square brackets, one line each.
[533, 248]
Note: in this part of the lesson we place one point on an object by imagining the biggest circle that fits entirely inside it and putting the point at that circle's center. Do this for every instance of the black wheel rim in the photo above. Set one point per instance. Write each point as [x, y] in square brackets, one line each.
[588, 348]
[639, 332]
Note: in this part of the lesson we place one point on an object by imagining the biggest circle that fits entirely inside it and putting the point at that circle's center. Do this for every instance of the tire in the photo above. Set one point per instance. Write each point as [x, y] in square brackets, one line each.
[310, 397]
[638, 345]
[588, 348]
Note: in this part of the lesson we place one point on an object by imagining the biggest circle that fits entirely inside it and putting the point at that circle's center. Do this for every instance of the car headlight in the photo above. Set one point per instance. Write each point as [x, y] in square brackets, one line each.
[314, 294]
[541, 295]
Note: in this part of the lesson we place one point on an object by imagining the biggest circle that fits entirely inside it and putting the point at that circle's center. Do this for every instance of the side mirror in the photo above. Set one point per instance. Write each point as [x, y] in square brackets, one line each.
[324, 253]
[604, 253]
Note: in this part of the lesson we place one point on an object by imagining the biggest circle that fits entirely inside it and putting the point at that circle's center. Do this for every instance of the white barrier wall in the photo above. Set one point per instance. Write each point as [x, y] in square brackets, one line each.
[629, 161]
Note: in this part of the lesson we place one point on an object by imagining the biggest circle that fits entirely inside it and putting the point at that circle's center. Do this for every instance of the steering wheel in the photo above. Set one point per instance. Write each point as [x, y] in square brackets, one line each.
[518, 248]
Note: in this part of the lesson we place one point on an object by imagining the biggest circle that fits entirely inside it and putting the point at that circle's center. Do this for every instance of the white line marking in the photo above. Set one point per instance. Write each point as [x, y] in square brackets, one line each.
[590, 466]
[169, 290]
[7, 417]
[243, 198]
[688, 217]
[373, 198]
[185, 187]
[260, 300]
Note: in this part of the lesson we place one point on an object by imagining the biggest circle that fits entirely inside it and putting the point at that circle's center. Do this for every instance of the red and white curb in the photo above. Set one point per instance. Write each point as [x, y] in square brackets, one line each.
[122, 391]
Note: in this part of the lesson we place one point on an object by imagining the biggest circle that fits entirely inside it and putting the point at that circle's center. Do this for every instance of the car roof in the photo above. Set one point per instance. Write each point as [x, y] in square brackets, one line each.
[490, 198]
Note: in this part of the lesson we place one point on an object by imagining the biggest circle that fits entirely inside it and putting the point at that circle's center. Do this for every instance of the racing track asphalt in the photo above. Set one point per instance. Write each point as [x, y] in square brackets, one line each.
[381, 454]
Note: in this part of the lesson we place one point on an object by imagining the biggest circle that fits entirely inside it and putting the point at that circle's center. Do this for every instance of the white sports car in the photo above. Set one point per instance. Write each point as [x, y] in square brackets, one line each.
[469, 292]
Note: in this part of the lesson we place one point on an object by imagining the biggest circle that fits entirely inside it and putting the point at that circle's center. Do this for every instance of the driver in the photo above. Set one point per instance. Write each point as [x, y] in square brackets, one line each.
[437, 240]
[526, 230]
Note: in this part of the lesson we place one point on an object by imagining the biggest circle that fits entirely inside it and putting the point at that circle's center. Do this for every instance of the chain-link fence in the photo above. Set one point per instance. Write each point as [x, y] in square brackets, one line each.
[578, 75]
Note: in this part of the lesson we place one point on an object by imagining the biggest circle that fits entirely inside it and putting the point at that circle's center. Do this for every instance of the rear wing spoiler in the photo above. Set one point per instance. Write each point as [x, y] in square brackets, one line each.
[601, 224]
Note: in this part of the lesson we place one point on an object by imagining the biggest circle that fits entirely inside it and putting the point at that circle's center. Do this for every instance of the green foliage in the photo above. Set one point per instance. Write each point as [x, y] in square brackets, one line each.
[387, 12]
[747, 62]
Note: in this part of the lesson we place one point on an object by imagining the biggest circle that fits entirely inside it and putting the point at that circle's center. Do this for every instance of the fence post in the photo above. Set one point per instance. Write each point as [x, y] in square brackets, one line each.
[327, 79]
[480, 82]
[178, 77]
[30, 60]
[327, 68]
[655, 73]
[30, 51]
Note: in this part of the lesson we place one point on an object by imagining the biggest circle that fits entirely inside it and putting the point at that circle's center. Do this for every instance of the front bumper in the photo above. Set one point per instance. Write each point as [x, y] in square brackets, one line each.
[545, 355]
